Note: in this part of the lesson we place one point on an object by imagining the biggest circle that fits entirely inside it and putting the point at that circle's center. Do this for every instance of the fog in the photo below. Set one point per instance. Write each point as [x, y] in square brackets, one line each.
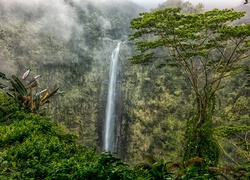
[56, 15]
[53, 14]
[61, 17]
[209, 4]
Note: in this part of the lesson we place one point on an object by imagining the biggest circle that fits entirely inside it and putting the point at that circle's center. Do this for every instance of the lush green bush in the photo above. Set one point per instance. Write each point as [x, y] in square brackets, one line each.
[32, 146]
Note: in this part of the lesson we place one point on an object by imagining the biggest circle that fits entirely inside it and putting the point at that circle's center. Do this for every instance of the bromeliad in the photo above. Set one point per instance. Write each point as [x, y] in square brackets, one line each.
[18, 91]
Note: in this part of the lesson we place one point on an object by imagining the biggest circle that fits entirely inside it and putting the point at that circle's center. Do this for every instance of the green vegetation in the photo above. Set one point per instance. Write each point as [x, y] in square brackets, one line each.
[70, 44]
[33, 147]
[206, 49]
[72, 52]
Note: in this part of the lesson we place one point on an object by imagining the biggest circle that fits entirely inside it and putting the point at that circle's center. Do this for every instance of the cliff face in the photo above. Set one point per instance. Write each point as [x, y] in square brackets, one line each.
[70, 44]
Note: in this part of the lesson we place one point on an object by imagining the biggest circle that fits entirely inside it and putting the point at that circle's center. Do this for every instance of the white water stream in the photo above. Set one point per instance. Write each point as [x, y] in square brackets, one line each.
[110, 108]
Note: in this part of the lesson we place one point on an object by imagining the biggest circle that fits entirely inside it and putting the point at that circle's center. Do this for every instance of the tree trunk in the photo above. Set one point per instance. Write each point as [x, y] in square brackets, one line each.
[199, 134]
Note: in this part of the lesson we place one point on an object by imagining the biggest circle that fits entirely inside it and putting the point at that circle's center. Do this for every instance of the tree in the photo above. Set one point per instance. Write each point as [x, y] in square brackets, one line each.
[206, 48]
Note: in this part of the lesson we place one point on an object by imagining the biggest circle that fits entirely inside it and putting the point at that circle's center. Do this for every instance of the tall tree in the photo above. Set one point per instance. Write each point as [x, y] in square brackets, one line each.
[207, 48]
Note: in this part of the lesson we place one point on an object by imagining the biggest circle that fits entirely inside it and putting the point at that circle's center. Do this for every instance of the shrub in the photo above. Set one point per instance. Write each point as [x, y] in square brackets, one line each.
[32, 146]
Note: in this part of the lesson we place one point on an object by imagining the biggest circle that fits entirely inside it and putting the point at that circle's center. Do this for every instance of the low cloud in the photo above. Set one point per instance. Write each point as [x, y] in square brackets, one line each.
[55, 15]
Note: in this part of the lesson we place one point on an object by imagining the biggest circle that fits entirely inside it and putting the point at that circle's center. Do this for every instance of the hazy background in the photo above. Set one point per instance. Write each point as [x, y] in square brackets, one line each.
[209, 4]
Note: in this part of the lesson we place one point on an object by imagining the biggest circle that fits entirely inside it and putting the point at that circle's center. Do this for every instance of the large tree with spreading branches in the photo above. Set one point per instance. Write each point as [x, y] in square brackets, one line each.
[206, 47]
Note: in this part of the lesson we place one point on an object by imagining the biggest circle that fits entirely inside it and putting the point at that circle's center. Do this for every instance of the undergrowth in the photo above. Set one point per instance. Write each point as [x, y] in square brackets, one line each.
[34, 147]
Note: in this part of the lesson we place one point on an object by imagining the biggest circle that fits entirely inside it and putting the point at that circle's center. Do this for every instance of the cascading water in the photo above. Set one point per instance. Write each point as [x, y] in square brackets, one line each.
[110, 108]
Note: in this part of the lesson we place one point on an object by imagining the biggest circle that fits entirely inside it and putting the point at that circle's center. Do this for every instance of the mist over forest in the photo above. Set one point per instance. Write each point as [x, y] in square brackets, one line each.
[70, 43]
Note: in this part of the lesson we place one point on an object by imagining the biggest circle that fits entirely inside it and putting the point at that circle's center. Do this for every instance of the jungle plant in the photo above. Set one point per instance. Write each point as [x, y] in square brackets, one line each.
[243, 172]
[24, 95]
[33, 147]
[175, 170]
[206, 47]
[156, 169]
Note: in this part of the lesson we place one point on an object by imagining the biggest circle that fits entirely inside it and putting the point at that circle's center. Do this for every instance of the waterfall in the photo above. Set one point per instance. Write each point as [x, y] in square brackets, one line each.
[110, 108]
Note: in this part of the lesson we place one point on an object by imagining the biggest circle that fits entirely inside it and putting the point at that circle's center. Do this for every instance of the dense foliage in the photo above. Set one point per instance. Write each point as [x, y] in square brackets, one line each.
[207, 49]
[69, 42]
[33, 147]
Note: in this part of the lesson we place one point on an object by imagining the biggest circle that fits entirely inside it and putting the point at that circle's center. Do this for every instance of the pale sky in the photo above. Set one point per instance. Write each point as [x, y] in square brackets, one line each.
[209, 4]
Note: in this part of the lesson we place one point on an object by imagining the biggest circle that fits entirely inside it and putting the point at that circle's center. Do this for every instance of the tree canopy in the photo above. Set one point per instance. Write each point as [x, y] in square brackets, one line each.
[207, 48]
